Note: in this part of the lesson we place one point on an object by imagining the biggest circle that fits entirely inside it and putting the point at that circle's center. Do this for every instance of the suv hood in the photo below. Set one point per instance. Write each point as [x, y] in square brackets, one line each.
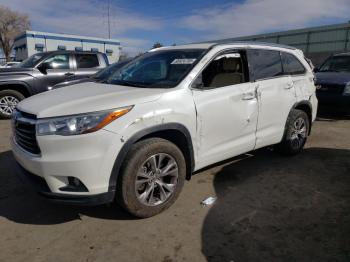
[332, 78]
[86, 97]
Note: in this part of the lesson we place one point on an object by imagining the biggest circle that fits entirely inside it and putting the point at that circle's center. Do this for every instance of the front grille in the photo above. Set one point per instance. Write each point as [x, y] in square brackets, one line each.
[331, 88]
[25, 133]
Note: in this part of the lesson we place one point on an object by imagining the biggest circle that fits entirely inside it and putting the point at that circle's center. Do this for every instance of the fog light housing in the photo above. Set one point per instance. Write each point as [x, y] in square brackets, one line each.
[74, 185]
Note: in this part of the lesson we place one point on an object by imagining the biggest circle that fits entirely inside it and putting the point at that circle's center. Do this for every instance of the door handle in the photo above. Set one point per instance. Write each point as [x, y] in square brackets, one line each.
[289, 85]
[249, 96]
[69, 74]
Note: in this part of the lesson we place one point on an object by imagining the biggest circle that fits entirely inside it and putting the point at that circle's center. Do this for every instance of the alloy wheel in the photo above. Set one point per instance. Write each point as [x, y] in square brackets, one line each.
[299, 133]
[156, 179]
[8, 104]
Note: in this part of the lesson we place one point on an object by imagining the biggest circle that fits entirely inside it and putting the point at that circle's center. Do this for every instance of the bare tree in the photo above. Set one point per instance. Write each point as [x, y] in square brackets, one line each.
[11, 24]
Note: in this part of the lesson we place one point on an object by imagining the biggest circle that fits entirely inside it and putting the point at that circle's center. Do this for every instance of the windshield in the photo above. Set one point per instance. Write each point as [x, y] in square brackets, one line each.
[336, 64]
[108, 71]
[158, 69]
[31, 61]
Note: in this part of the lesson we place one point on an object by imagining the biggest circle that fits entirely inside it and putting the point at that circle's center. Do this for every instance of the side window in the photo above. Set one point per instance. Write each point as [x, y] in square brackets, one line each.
[57, 62]
[86, 60]
[291, 65]
[225, 70]
[264, 63]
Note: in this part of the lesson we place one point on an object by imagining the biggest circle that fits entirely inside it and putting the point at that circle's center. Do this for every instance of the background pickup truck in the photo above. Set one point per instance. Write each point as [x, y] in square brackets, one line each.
[42, 71]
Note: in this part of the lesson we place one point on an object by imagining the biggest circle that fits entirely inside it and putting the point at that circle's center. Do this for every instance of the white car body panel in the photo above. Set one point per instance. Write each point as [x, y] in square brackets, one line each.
[86, 97]
[226, 122]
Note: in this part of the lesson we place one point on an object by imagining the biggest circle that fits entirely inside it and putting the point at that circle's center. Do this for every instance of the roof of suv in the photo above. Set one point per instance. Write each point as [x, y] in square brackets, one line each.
[210, 45]
[69, 52]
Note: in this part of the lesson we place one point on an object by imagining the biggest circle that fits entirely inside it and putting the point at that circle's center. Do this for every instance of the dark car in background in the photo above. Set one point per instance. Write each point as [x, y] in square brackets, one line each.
[42, 71]
[333, 83]
[99, 76]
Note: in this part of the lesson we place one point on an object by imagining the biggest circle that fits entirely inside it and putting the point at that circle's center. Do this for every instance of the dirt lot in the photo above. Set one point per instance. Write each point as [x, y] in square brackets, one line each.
[269, 208]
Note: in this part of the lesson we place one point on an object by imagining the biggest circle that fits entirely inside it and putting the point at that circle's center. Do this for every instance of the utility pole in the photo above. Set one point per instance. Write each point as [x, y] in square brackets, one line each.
[109, 22]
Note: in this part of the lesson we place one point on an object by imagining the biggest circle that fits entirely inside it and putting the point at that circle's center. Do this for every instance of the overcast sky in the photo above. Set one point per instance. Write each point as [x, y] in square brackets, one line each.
[138, 24]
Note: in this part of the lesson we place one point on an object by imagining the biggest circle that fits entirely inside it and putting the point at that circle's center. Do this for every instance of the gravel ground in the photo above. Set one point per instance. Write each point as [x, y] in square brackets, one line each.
[269, 208]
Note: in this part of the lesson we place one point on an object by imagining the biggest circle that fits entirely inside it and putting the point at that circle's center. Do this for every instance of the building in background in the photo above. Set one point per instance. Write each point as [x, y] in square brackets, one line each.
[316, 42]
[31, 42]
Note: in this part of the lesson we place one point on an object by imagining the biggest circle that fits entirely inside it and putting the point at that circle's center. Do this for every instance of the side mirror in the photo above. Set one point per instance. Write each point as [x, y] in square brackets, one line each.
[43, 68]
[316, 69]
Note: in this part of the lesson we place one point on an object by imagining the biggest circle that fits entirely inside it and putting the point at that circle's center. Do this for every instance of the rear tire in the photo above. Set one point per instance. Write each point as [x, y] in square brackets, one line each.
[151, 177]
[295, 135]
[8, 101]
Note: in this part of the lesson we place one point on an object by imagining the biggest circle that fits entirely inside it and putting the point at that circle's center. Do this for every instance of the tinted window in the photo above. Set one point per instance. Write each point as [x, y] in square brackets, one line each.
[57, 62]
[291, 65]
[86, 60]
[264, 64]
[336, 64]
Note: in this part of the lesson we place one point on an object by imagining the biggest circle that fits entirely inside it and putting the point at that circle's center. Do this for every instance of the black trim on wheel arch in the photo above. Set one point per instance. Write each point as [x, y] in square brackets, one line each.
[143, 133]
[6, 85]
[303, 102]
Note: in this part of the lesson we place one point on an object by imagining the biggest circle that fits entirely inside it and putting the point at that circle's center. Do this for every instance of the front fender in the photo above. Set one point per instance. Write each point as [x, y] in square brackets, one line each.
[143, 133]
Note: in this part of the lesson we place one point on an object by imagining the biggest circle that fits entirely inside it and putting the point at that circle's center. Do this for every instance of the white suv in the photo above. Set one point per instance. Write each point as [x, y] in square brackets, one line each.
[139, 134]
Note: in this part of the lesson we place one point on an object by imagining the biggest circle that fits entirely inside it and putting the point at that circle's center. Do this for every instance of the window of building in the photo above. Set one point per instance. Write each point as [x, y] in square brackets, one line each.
[57, 62]
[109, 52]
[264, 63]
[291, 65]
[39, 47]
[86, 60]
[61, 47]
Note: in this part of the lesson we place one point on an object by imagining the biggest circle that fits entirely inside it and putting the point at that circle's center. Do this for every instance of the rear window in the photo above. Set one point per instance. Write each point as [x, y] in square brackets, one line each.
[264, 64]
[291, 65]
[86, 60]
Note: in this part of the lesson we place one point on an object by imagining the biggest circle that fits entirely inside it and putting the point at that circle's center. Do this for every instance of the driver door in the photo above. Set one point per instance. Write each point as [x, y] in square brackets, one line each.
[55, 69]
[227, 109]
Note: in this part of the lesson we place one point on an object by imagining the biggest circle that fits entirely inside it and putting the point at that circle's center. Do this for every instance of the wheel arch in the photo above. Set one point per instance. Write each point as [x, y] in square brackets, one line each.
[174, 132]
[305, 106]
[18, 86]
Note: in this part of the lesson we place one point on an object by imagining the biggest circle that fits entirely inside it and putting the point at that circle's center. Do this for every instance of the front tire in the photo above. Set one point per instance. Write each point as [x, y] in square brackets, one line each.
[152, 177]
[8, 101]
[296, 132]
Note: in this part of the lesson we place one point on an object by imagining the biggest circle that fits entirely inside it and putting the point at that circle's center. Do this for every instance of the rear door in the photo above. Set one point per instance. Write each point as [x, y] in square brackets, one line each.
[276, 95]
[86, 65]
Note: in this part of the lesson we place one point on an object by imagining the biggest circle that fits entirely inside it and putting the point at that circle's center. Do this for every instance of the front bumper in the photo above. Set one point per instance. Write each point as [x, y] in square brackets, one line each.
[40, 186]
[89, 158]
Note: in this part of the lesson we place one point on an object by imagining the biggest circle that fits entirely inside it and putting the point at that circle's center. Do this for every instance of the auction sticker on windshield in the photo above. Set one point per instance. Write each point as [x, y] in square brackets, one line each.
[183, 61]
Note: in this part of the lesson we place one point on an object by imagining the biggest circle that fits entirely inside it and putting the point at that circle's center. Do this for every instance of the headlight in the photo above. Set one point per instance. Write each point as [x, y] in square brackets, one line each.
[347, 90]
[78, 124]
